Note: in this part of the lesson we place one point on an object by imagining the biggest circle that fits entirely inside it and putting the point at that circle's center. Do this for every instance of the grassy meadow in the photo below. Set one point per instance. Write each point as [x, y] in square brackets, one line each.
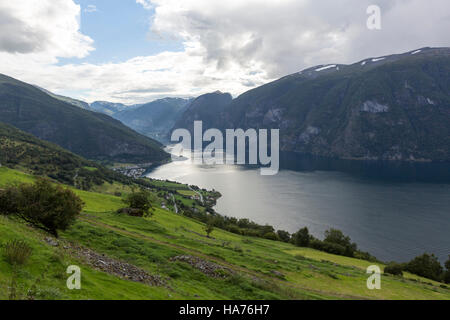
[250, 268]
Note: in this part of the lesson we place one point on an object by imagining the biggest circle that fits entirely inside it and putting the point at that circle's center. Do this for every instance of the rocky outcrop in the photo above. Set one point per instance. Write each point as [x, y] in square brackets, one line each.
[208, 268]
[115, 267]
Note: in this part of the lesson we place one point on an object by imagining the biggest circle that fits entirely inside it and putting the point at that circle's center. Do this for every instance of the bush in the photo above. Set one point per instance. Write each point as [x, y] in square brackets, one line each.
[17, 252]
[426, 266]
[9, 200]
[447, 277]
[301, 238]
[139, 200]
[337, 237]
[131, 212]
[284, 235]
[364, 256]
[447, 273]
[44, 205]
[329, 247]
[393, 268]
[271, 236]
[209, 227]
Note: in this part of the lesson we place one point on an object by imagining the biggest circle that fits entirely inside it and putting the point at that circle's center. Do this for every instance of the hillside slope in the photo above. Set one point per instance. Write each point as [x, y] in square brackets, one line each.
[24, 151]
[92, 135]
[183, 263]
[106, 107]
[208, 108]
[72, 101]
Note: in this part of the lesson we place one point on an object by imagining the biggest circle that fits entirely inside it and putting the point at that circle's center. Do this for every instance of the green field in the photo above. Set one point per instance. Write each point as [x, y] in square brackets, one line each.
[250, 268]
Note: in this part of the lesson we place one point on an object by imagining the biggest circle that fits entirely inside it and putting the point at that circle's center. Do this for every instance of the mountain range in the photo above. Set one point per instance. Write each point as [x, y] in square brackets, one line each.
[154, 119]
[89, 134]
[395, 107]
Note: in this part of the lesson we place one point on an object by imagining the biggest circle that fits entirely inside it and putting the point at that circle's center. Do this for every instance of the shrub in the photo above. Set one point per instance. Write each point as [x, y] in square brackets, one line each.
[393, 268]
[301, 238]
[131, 212]
[209, 227]
[17, 252]
[427, 266]
[364, 256]
[44, 205]
[271, 236]
[233, 229]
[447, 273]
[337, 237]
[329, 247]
[139, 200]
[9, 200]
[284, 235]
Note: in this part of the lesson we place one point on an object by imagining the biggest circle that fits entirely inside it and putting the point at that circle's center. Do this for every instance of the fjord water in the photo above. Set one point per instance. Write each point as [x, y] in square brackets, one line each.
[395, 212]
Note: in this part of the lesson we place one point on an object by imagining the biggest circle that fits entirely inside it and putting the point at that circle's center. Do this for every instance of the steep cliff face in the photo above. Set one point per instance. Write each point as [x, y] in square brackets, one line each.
[388, 108]
[206, 108]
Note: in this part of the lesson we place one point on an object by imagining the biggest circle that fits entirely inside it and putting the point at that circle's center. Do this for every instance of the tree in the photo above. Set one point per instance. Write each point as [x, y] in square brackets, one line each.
[271, 236]
[209, 227]
[284, 235]
[9, 200]
[44, 205]
[139, 200]
[447, 273]
[337, 237]
[394, 268]
[427, 266]
[301, 238]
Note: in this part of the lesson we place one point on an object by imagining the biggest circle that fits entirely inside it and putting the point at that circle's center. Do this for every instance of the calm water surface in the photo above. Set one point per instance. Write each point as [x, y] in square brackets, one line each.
[392, 219]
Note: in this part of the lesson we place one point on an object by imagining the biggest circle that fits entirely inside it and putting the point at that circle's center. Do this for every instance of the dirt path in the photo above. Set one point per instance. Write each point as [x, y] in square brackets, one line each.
[199, 193]
[251, 273]
[75, 177]
[174, 203]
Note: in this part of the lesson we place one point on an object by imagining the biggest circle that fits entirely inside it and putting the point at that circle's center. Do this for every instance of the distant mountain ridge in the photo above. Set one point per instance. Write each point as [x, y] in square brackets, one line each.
[395, 107]
[109, 108]
[207, 108]
[89, 134]
[75, 102]
[154, 119]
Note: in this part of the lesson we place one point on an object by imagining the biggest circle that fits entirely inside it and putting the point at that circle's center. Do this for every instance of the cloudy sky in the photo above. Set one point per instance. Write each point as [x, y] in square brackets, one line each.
[134, 51]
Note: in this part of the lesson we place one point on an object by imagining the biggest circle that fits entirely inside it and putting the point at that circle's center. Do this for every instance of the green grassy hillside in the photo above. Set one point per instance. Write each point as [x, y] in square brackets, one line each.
[173, 250]
[23, 151]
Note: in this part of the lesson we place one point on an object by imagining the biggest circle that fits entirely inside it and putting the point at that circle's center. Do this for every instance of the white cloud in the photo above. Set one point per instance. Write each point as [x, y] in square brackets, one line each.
[147, 4]
[289, 35]
[231, 45]
[91, 8]
[45, 28]
[141, 79]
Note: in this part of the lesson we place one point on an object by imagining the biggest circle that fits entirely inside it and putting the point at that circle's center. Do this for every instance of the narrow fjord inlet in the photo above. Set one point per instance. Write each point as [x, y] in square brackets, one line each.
[374, 212]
